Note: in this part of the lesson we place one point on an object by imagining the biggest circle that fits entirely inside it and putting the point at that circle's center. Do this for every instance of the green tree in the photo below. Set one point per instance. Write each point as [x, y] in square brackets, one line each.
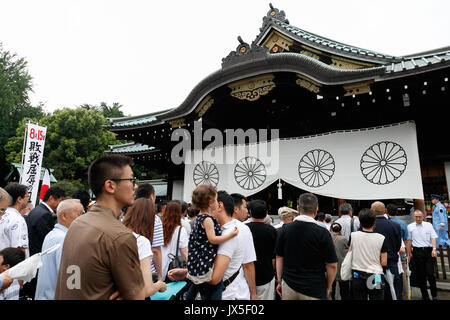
[75, 137]
[108, 111]
[70, 186]
[15, 86]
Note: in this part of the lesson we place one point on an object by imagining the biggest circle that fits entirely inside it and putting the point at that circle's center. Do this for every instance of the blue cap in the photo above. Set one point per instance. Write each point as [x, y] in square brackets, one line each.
[435, 196]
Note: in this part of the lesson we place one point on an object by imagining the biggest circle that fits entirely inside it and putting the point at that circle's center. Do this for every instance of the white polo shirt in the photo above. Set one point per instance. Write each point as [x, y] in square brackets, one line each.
[233, 249]
[14, 231]
[246, 242]
[421, 234]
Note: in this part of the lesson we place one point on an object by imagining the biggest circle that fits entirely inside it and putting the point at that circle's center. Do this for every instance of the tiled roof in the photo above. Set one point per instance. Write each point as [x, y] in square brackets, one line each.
[127, 122]
[19, 168]
[322, 43]
[130, 148]
[255, 60]
[429, 60]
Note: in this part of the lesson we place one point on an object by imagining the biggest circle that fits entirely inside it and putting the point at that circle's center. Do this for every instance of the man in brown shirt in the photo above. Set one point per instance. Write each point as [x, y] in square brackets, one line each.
[100, 254]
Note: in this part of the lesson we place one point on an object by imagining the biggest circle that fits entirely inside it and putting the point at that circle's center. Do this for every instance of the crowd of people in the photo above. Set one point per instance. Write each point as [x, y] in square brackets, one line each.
[126, 246]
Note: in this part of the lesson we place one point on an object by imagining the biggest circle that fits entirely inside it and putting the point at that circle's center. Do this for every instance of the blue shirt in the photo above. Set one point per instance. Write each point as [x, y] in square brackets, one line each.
[403, 227]
[440, 217]
[48, 273]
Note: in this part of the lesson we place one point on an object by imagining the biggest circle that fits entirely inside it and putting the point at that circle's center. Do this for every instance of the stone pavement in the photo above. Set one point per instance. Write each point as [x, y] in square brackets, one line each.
[443, 291]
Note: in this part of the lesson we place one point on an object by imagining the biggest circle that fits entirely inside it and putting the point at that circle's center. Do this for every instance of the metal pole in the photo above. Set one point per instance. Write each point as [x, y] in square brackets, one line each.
[24, 147]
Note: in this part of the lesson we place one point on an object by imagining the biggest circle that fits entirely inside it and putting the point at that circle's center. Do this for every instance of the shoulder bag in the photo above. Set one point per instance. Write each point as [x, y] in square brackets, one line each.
[176, 260]
[346, 266]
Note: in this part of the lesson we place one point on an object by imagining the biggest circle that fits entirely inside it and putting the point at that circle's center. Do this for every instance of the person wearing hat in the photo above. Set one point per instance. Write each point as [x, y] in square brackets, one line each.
[440, 221]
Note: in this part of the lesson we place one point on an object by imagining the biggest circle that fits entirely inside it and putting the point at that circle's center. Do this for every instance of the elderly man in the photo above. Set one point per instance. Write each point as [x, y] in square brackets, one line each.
[40, 222]
[422, 238]
[286, 215]
[67, 211]
[5, 201]
[393, 237]
[348, 223]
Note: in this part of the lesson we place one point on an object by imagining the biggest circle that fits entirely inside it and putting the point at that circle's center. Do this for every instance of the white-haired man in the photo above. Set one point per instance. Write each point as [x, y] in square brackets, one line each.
[66, 212]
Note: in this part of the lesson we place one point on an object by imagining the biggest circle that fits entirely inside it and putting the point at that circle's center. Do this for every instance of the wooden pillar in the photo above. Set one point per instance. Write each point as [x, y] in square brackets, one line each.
[340, 201]
[169, 185]
[419, 204]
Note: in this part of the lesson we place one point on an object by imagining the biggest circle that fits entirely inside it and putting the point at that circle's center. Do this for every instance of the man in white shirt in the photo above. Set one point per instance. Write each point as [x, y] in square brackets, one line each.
[13, 228]
[246, 277]
[422, 239]
[346, 219]
[230, 254]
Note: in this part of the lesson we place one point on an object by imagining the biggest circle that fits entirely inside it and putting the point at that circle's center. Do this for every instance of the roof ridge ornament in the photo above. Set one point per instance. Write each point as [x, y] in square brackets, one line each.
[244, 52]
[277, 14]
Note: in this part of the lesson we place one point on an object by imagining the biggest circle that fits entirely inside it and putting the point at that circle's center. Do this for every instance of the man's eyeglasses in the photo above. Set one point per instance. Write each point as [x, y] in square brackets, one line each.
[133, 180]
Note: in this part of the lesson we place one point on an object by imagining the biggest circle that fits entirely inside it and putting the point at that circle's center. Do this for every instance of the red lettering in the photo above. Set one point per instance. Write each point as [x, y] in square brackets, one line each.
[40, 135]
[32, 133]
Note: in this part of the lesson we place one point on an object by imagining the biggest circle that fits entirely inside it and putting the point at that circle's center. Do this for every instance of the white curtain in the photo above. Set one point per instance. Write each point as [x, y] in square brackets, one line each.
[372, 163]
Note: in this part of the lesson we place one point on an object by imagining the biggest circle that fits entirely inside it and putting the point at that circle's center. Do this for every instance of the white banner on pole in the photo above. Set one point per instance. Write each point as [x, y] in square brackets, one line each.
[363, 164]
[32, 160]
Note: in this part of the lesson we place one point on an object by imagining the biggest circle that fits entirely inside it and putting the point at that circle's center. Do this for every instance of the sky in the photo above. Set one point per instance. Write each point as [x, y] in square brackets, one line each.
[148, 55]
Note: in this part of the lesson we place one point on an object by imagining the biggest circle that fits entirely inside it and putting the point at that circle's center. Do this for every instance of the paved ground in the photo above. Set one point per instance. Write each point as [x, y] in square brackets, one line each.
[443, 292]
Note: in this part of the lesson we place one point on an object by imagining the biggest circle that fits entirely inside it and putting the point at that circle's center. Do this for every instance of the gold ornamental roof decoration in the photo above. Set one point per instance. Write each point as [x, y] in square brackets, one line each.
[252, 89]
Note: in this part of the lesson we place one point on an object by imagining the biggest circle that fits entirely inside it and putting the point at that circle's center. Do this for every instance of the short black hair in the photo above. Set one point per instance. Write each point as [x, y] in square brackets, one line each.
[104, 168]
[16, 190]
[83, 196]
[320, 216]
[367, 218]
[249, 205]
[160, 205]
[145, 190]
[227, 200]
[336, 227]
[258, 209]
[12, 256]
[238, 199]
[391, 209]
[56, 192]
[308, 203]
[191, 212]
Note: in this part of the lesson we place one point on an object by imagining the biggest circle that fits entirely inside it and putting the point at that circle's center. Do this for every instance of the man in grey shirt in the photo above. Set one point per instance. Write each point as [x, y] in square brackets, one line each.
[346, 220]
